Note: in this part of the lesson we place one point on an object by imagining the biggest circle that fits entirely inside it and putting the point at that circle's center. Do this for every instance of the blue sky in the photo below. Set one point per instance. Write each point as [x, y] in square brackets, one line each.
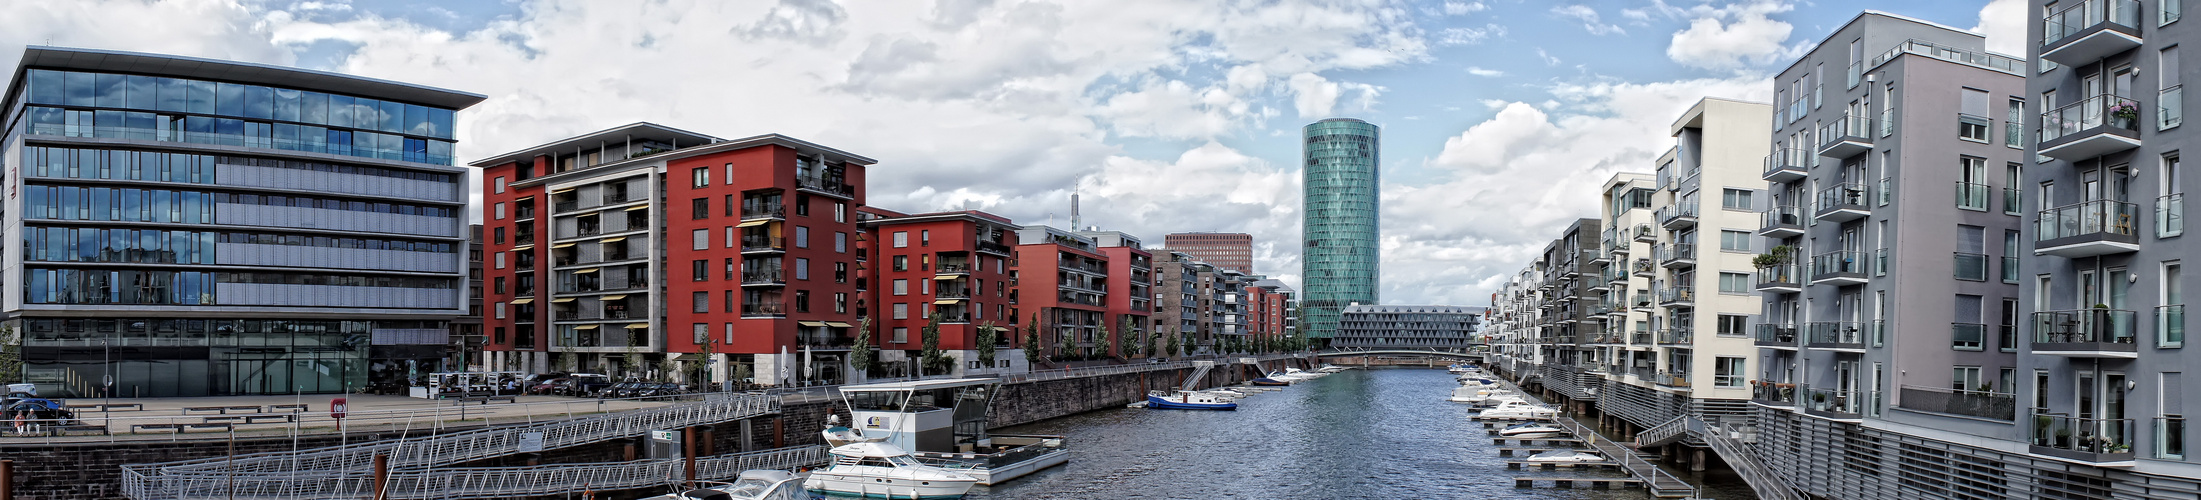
[1168, 115]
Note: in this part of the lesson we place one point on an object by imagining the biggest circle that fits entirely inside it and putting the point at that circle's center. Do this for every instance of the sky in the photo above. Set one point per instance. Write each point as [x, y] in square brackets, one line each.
[1500, 117]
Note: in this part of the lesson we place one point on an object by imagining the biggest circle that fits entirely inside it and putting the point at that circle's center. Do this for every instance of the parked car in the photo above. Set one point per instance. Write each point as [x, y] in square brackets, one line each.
[550, 386]
[619, 390]
[662, 389]
[585, 384]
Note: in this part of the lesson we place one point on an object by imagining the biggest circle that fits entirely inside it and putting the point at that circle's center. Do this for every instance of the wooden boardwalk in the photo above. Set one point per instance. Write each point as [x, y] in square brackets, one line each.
[1660, 483]
[1602, 483]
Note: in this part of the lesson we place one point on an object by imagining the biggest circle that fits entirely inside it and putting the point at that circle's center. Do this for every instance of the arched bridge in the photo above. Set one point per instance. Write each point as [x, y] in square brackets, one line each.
[1402, 352]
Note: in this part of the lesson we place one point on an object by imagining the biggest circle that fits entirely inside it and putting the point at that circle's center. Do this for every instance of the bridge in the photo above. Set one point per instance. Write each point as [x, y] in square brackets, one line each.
[1433, 353]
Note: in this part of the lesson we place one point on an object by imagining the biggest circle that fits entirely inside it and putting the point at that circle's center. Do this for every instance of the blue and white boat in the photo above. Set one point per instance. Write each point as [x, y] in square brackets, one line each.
[1265, 381]
[1182, 400]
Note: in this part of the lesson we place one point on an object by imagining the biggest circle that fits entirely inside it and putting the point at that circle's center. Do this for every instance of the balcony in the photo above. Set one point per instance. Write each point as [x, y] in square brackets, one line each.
[2090, 31]
[1776, 336]
[1843, 202]
[1676, 337]
[1970, 266]
[1839, 268]
[952, 269]
[1836, 335]
[2170, 438]
[752, 211]
[1780, 279]
[1845, 137]
[1781, 222]
[1840, 404]
[1786, 165]
[1677, 296]
[2170, 215]
[1640, 337]
[763, 310]
[825, 186]
[2086, 333]
[1674, 380]
[1970, 196]
[1677, 255]
[2099, 227]
[763, 244]
[1989, 405]
[2170, 326]
[1644, 233]
[771, 277]
[993, 248]
[1681, 216]
[1773, 393]
[2092, 127]
[2099, 441]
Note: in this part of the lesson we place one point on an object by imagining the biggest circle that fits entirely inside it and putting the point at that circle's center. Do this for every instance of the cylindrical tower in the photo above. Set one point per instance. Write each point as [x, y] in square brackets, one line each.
[1339, 263]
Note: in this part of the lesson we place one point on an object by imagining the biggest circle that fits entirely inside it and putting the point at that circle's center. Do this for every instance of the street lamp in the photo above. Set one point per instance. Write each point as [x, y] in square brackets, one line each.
[106, 374]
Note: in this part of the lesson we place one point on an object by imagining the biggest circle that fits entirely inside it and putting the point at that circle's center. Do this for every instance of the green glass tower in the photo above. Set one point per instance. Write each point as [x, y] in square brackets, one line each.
[1339, 265]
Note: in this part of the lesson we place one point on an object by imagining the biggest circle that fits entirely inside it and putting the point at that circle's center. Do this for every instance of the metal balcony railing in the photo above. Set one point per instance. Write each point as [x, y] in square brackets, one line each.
[2088, 439]
[763, 309]
[1971, 266]
[2090, 114]
[763, 211]
[2170, 325]
[1983, 404]
[2170, 215]
[763, 277]
[2170, 437]
[2084, 326]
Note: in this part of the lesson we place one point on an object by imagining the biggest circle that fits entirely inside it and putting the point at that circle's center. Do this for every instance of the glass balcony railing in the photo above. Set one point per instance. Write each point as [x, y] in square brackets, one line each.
[1842, 196]
[2079, 17]
[1856, 130]
[1787, 163]
[2080, 438]
[1835, 334]
[2098, 217]
[2090, 114]
[1838, 403]
[1971, 266]
[2170, 437]
[2170, 108]
[1992, 405]
[2099, 329]
[1967, 336]
[2009, 269]
[1776, 334]
[1677, 252]
[1880, 262]
[2170, 326]
[1677, 336]
[1781, 217]
[1677, 295]
[1970, 196]
[1838, 263]
[2013, 201]
[2170, 215]
[1772, 392]
[1784, 275]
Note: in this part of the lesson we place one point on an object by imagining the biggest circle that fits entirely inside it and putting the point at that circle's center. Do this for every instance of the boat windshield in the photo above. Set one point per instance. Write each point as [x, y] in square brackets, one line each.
[749, 487]
[890, 401]
[902, 461]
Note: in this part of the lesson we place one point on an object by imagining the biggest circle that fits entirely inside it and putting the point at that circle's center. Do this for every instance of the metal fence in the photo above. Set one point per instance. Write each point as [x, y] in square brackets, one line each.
[466, 483]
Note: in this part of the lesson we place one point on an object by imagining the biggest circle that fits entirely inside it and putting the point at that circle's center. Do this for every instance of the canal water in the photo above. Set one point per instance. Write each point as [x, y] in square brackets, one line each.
[1384, 433]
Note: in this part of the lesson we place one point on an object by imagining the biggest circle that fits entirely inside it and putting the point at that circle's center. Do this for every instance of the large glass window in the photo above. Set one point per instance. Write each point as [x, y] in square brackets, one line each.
[232, 102]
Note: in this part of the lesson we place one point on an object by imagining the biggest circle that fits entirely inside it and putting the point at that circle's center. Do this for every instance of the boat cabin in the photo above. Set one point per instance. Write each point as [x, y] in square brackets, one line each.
[927, 415]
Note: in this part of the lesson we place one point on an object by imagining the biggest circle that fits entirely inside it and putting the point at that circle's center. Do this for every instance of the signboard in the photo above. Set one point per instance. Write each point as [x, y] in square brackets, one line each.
[531, 442]
[665, 435]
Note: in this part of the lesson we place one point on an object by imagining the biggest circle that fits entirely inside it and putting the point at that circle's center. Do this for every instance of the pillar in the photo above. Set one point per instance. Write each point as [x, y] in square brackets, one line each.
[1696, 460]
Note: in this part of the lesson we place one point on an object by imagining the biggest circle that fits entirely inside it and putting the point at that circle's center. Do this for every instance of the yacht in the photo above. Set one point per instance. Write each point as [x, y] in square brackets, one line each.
[1466, 394]
[877, 469]
[1566, 456]
[1188, 400]
[751, 485]
[1519, 409]
[943, 423]
[1531, 430]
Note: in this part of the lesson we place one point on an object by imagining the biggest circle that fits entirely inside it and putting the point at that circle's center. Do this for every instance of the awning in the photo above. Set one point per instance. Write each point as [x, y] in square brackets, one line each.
[635, 326]
[811, 323]
[947, 276]
[613, 297]
[947, 301]
[643, 207]
[566, 190]
[521, 301]
[562, 301]
[522, 247]
[753, 222]
[561, 245]
[837, 324]
[585, 327]
[588, 271]
[614, 239]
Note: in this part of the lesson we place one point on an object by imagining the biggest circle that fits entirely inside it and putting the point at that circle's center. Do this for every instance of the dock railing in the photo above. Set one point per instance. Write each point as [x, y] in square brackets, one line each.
[1727, 441]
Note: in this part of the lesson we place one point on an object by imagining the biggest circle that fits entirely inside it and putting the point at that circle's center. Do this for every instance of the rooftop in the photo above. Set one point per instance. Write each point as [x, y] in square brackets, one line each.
[116, 61]
[632, 132]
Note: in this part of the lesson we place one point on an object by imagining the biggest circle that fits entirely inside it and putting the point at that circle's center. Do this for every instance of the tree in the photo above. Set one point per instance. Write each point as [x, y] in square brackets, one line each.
[1170, 344]
[1129, 344]
[986, 339]
[859, 355]
[708, 351]
[11, 355]
[1031, 340]
[932, 358]
[1151, 339]
[1102, 344]
[1189, 345]
[1065, 346]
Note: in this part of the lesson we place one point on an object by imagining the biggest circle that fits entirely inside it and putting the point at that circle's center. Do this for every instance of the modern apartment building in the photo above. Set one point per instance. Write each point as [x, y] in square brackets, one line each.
[193, 227]
[1340, 261]
[1447, 328]
[2100, 360]
[1271, 308]
[1130, 300]
[649, 251]
[1692, 356]
[1889, 199]
[953, 265]
[1573, 284]
[1062, 283]
[1233, 251]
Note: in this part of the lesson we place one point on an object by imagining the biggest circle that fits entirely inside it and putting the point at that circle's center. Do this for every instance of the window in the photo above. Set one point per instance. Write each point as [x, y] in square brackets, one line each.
[1735, 199]
[500, 210]
[497, 235]
[1734, 325]
[730, 267]
[1971, 253]
[840, 272]
[840, 242]
[802, 237]
[732, 237]
[700, 208]
[500, 310]
[1971, 128]
[700, 239]
[2007, 333]
[901, 311]
[802, 301]
[901, 240]
[924, 238]
[702, 333]
[2013, 125]
[1964, 378]
[2170, 107]
[500, 185]
[2169, 11]
[2170, 208]
[901, 287]
[702, 176]
[2170, 318]
[701, 302]
[497, 286]
[901, 335]
[802, 268]
[702, 268]
[1735, 241]
[2010, 251]
[840, 212]
[901, 262]
[1966, 331]
[802, 205]
[1727, 372]
[1735, 283]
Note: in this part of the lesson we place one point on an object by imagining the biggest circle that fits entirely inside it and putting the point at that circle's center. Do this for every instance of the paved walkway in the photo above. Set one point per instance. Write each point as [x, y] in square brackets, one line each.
[267, 416]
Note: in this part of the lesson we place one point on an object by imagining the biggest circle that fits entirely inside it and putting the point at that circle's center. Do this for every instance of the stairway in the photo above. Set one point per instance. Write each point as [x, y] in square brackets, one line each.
[1728, 442]
[1200, 370]
[1683, 429]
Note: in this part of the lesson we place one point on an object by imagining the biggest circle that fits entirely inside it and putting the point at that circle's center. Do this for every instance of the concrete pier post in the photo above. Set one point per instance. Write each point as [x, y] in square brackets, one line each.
[1696, 460]
[7, 480]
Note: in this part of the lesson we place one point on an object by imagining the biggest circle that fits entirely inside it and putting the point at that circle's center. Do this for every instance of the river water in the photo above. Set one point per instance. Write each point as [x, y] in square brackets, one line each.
[1385, 433]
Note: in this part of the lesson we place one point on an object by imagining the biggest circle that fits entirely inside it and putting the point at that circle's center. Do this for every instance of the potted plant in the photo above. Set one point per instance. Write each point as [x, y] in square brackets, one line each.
[2063, 438]
[2125, 113]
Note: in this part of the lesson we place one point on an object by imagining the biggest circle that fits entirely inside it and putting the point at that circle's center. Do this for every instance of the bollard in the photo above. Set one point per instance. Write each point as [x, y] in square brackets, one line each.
[381, 476]
[7, 480]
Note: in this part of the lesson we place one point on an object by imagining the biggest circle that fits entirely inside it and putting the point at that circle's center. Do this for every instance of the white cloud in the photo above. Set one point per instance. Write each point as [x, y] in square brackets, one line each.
[1470, 35]
[2003, 23]
[1549, 60]
[338, 6]
[1453, 8]
[1317, 97]
[1589, 19]
[1479, 71]
[1734, 36]
[1507, 185]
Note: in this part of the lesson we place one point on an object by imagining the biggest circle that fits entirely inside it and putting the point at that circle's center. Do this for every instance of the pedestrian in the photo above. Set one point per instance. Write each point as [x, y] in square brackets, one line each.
[19, 427]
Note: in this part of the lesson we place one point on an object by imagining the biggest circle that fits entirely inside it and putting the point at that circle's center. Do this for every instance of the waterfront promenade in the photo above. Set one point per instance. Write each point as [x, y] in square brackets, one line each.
[272, 416]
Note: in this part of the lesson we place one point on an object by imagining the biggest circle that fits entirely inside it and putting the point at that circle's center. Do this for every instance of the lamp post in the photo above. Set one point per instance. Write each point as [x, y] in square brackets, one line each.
[106, 371]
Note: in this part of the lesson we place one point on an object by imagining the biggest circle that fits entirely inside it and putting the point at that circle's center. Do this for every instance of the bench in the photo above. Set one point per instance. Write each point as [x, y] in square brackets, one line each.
[67, 429]
[188, 427]
[188, 409]
[277, 417]
[105, 406]
[252, 408]
[134, 429]
[299, 407]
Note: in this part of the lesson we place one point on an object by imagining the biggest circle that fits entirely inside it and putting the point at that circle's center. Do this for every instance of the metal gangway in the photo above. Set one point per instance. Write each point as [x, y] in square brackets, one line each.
[1199, 373]
[1728, 441]
[1661, 483]
[1684, 429]
[330, 470]
[475, 482]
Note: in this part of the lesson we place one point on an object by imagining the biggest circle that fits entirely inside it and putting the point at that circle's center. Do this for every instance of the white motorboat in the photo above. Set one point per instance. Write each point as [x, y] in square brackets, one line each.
[1290, 376]
[1531, 430]
[1459, 368]
[1466, 395]
[1329, 368]
[1519, 409]
[1486, 396]
[1566, 456]
[751, 485]
[877, 469]
[1303, 374]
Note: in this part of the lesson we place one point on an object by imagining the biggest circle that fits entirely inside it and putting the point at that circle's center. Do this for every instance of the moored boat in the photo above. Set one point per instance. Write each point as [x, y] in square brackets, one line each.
[1183, 400]
[883, 470]
[1519, 409]
[1531, 430]
[1566, 456]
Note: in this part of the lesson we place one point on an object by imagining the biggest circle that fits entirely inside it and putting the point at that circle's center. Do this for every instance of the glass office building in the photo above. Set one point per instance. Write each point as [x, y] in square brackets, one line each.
[1340, 262]
[181, 227]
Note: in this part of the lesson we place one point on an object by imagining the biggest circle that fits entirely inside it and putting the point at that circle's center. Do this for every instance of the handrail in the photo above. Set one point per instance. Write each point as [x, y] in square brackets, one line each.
[472, 482]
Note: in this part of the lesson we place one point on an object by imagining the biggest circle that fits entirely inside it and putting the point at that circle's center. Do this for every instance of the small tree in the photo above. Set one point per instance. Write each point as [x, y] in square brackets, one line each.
[11, 355]
[1031, 340]
[1151, 339]
[1189, 345]
[1170, 344]
[1065, 346]
[860, 355]
[1130, 341]
[986, 339]
[708, 350]
[933, 359]
[1103, 344]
